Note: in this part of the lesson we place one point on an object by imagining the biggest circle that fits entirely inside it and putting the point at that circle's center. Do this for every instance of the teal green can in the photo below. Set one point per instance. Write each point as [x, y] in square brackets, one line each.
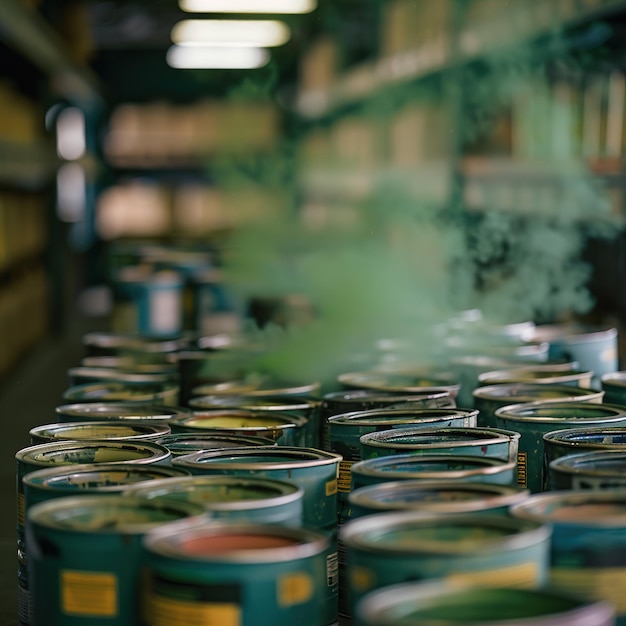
[447, 467]
[283, 428]
[534, 419]
[594, 347]
[490, 398]
[538, 376]
[434, 497]
[437, 603]
[483, 442]
[237, 498]
[86, 556]
[588, 547]
[111, 430]
[315, 471]
[345, 431]
[235, 575]
[392, 548]
[401, 382]
[590, 470]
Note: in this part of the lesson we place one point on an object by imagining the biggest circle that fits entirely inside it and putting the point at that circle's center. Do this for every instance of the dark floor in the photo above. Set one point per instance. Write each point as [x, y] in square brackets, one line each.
[28, 397]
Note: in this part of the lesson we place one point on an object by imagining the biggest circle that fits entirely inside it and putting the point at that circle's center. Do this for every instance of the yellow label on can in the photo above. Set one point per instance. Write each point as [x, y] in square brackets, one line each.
[91, 594]
[295, 588]
[344, 481]
[608, 355]
[331, 487]
[168, 612]
[21, 510]
[601, 583]
[362, 578]
[522, 469]
[520, 576]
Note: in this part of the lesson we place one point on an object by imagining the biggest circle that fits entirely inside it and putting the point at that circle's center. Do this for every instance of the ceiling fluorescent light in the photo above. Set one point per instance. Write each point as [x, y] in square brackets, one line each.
[204, 58]
[248, 6]
[239, 33]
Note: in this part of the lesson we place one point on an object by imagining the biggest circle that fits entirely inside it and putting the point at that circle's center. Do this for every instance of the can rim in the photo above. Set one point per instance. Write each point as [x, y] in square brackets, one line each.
[380, 602]
[103, 374]
[141, 344]
[513, 375]
[38, 479]
[570, 394]
[353, 533]
[316, 458]
[510, 412]
[144, 429]
[527, 510]
[568, 334]
[614, 379]
[383, 438]
[242, 388]
[41, 514]
[379, 497]
[165, 540]
[368, 417]
[289, 420]
[285, 492]
[375, 395]
[576, 464]
[489, 466]
[128, 410]
[355, 380]
[76, 392]
[239, 401]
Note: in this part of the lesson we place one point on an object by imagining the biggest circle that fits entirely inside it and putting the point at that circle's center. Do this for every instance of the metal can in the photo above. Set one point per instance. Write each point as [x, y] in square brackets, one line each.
[534, 419]
[235, 574]
[588, 542]
[604, 469]
[489, 398]
[558, 443]
[120, 344]
[390, 548]
[85, 556]
[134, 364]
[537, 376]
[399, 382]
[448, 467]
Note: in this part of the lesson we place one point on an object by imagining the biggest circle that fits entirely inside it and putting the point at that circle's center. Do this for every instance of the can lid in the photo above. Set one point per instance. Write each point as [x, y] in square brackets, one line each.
[562, 413]
[534, 392]
[399, 415]
[106, 429]
[119, 410]
[425, 438]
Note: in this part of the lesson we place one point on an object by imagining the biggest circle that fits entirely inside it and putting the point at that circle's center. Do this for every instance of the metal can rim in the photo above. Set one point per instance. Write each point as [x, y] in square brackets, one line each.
[497, 436]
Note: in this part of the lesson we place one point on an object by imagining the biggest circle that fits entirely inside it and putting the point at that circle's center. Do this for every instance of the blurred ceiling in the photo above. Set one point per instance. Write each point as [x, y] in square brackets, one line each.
[128, 40]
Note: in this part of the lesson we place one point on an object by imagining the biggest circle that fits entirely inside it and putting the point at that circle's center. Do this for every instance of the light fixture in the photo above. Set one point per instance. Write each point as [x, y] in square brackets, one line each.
[220, 58]
[238, 33]
[71, 140]
[248, 6]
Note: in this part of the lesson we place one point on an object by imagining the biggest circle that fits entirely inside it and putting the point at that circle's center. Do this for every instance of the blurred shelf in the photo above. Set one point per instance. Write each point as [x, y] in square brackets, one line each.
[26, 31]
[27, 166]
[371, 78]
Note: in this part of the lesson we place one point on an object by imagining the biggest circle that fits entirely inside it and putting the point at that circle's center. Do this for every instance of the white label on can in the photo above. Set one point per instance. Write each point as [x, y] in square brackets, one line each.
[165, 311]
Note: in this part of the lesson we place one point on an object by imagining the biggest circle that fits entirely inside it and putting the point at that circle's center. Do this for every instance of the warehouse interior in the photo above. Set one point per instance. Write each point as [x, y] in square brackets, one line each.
[362, 173]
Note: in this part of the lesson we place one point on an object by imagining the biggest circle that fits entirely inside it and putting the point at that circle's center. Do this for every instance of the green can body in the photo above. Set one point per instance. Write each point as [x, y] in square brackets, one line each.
[490, 398]
[345, 431]
[180, 444]
[588, 547]
[484, 442]
[614, 387]
[308, 408]
[315, 471]
[236, 498]
[534, 419]
[111, 430]
[126, 411]
[285, 429]
[235, 574]
[433, 467]
[434, 603]
[391, 548]
[590, 470]
[434, 497]
[558, 443]
[86, 554]
[116, 391]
